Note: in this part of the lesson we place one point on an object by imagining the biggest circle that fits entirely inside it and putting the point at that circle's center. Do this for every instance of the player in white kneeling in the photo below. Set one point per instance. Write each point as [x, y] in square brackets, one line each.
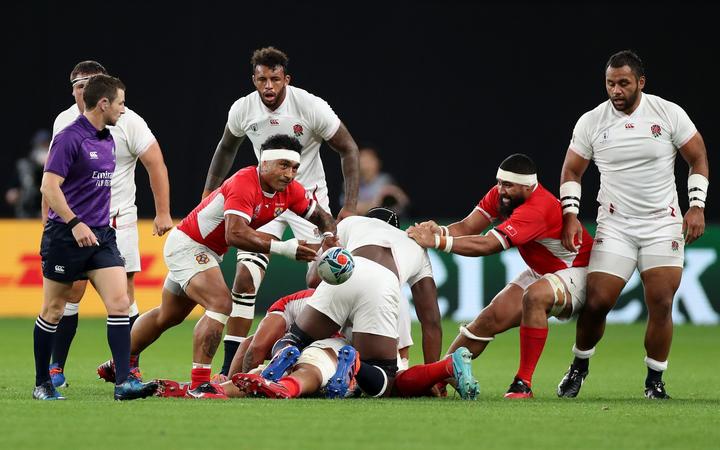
[276, 107]
[133, 141]
[634, 139]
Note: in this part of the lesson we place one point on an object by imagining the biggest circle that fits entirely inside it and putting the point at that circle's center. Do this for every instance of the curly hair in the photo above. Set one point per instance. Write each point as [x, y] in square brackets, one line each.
[269, 57]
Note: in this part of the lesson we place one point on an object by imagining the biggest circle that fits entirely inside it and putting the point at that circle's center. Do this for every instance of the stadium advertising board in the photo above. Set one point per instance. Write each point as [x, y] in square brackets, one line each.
[465, 285]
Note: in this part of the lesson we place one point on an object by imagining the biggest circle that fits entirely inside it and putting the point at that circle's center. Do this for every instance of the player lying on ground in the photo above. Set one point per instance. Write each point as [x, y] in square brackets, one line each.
[385, 258]
[554, 285]
[193, 251]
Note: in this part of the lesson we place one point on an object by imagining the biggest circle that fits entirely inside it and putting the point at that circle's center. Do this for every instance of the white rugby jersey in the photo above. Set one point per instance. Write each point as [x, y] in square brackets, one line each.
[412, 261]
[635, 154]
[132, 138]
[301, 115]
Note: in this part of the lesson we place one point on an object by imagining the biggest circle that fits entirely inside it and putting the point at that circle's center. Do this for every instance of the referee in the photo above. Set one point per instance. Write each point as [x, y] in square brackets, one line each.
[77, 241]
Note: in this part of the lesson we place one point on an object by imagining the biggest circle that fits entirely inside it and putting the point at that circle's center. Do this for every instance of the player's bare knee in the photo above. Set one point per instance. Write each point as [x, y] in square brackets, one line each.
[117, 304]
[659, 307]
[537, 298]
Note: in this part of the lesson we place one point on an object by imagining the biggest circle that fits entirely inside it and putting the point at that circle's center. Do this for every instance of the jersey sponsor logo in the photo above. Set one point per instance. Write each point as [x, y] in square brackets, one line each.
[278, 210]
[274, 122]
[510, 230]
[298, 130]
[202, 258]
[605, 135]
[93, 155]
[675, 246]
[254, 128]
[59, 269]
[656, 130]
[256, 212]
[629, 126]
[598, 241]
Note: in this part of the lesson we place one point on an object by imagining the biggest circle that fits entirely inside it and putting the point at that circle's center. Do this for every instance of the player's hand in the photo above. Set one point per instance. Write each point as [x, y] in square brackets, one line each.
[423, 236]
[571, 233]
[345, 212]
[693, 224]
[329, 242]
[84, 236]
[304, 253]
[162, 224]
[430, 225]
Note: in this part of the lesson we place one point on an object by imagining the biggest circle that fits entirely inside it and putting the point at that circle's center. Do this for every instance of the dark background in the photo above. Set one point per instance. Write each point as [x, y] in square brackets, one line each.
[446, 90]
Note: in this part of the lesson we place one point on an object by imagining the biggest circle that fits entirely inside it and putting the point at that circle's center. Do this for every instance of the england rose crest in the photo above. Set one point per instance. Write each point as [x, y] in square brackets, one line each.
[656, 130]
[298, 130]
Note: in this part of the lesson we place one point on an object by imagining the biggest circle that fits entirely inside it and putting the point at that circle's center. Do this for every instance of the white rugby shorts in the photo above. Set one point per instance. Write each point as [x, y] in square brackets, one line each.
[574, 278]
[369, 299]
[126, 234]
[624, 243]
[185, 258]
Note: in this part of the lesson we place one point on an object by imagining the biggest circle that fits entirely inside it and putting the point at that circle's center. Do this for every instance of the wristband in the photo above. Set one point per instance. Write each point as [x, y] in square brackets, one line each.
[570, 193]
[444, 231]
[697, 190]
[286, 248]
[74, 221]
[444, 243]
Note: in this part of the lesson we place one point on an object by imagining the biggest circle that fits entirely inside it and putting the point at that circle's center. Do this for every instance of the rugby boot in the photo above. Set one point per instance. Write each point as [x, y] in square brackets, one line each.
[132, 389]
[106, 371]
[348, 365]
[519, 389]
[46, 391]
[572, 382]
[57, 376]
[208, 390]
[281, 362]
[467, 386]
[656, 390]
[258, 386]
[171, 388]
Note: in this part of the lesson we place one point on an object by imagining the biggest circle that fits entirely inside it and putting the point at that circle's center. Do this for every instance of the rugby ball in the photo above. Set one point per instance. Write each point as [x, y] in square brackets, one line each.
[336, 265]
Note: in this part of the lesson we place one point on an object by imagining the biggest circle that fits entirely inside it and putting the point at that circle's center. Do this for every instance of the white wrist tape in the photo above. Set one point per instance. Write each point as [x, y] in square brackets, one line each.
[286, 248]
[444, 243]
[697, 190]
[444, 231]
[570, 193]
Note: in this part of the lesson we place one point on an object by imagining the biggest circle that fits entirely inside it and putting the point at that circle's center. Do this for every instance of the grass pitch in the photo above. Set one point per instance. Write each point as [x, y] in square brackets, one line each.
[611, 412]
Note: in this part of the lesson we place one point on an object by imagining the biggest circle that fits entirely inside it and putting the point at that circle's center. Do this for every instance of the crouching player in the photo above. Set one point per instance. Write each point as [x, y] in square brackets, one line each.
[229, 216]
[554, 285]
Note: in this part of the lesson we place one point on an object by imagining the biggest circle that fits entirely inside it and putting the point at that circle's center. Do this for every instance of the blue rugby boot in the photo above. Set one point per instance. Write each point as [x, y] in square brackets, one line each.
[467, 386]
[132, 388]
[347, 366]
[46, 391]
[57, 376]
[282, 361]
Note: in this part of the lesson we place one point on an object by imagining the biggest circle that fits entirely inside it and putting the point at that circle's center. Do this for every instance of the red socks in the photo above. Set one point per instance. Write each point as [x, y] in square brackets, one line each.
[199, 376]
[291, 384]
[532, 342]
[418, 380]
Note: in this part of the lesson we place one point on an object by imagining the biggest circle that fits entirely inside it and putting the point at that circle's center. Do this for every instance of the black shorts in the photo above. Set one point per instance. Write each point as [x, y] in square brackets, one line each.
[64, 261]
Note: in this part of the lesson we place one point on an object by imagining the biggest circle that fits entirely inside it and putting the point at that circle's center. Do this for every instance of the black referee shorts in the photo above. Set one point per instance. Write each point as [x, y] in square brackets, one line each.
[64, 261]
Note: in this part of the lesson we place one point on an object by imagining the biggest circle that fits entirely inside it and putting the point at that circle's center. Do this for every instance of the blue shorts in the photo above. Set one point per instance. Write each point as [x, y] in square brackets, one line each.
[64, 261]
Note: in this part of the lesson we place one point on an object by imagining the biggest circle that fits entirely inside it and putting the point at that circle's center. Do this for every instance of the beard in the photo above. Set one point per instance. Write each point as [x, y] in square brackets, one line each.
[506, 210]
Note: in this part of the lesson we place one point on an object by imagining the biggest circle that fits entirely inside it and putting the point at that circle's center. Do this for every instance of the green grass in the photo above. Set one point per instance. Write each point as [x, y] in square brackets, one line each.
[610, 413]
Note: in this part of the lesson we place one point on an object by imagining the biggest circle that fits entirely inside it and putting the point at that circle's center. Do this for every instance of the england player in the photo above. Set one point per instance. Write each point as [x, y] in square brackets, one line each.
[229, 216]
[633, 138]
[77, 241]
[133, 141]
[385, 258]
[277, 107]
[553, 285]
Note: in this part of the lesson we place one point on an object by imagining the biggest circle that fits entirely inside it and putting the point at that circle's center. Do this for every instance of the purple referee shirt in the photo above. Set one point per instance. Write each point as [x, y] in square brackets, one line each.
[85, 158]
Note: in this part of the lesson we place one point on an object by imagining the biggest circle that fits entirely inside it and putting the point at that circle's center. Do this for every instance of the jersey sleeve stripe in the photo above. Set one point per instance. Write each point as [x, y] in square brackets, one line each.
[485, 213]
[503, 240]
[310, 210]
[238, 213]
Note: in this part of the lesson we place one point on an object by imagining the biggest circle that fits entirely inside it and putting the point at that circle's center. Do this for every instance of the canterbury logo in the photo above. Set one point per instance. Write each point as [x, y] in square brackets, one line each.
[59, 269]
